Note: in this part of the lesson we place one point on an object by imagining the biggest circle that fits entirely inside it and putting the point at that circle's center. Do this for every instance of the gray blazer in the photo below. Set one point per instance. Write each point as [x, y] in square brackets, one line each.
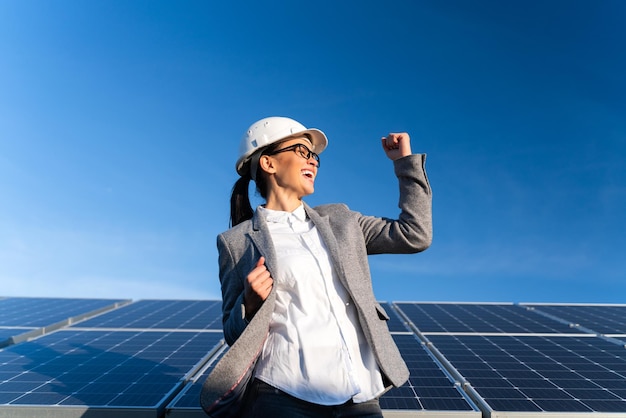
[350, 237]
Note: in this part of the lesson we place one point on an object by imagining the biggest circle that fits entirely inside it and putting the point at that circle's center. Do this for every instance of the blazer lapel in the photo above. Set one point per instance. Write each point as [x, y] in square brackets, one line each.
[260, 236]
[326, 232]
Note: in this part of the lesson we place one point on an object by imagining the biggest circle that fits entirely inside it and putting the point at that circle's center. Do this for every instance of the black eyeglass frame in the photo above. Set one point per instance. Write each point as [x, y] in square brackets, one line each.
[297, 148]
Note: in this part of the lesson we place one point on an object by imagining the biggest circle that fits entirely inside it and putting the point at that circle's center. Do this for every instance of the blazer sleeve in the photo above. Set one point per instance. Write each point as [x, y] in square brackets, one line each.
[233, 311]
[413, 230]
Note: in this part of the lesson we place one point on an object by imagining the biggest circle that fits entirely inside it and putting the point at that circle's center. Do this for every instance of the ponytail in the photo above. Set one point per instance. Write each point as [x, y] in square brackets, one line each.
[240, 208]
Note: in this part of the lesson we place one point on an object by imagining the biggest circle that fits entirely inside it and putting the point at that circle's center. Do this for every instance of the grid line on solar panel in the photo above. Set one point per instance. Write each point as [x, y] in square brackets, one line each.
[472, 318]
[603, 319]
[550, 374]
[161, 314]
[101, 369]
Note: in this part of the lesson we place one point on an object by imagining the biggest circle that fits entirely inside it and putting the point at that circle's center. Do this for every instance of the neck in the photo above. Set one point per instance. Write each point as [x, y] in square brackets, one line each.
[282, 202]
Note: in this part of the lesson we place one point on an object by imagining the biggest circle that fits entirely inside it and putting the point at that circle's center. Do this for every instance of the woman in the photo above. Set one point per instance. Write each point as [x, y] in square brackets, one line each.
[298, 307]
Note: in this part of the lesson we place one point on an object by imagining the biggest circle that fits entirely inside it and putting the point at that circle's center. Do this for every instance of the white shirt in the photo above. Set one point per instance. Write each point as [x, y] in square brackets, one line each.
[316, 350]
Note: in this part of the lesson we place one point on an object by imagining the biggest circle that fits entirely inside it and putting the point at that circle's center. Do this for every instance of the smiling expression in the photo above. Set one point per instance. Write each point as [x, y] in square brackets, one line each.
[292, 175]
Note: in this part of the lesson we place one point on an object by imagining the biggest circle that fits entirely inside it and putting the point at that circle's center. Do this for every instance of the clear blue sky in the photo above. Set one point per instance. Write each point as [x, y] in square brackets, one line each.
[120, 123]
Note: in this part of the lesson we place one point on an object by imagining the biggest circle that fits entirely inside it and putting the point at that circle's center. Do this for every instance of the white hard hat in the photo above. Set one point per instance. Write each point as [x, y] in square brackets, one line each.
[273, 129]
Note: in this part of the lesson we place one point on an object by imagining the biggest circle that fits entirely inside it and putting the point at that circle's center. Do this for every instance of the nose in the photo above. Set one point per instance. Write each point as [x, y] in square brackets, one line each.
[313, 161]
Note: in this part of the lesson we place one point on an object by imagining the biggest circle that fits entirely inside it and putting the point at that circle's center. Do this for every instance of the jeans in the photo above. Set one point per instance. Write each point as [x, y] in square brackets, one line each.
[265, 401]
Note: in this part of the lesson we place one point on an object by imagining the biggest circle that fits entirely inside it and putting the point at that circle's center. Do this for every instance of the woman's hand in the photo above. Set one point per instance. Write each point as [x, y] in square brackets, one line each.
[397, 145]
[257, 288]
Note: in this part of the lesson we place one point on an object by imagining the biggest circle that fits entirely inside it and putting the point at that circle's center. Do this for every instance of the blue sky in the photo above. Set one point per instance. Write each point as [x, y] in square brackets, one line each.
[120, 123]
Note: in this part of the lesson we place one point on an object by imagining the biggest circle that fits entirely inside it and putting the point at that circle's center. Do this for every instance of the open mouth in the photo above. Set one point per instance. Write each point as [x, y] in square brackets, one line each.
[308, 174]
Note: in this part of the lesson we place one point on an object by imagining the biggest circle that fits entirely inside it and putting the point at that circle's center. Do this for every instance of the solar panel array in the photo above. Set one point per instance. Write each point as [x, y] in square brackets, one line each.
[148, 358]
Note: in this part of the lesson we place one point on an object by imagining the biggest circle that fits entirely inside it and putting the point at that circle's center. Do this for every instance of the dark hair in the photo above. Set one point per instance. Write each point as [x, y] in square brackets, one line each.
[240, 207]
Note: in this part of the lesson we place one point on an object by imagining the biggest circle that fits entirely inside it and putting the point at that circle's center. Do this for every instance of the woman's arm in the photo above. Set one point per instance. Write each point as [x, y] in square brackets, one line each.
[233, 312]
[412, 231]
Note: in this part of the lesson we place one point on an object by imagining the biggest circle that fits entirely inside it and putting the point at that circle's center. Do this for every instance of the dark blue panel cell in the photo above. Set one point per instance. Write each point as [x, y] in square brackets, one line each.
[423, 381]
[444, 404]
[582, 384]
[393, 402]
[588, 394]
[537, 391]
[558, 405]
[612, 384]
[501, 393]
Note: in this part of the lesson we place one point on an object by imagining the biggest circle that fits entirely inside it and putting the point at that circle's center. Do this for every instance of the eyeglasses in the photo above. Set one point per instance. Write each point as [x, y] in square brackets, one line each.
[301, 150]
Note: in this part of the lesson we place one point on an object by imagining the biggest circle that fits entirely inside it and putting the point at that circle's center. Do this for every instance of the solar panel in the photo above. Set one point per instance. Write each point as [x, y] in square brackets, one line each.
[100, 369]
[540, 373]
[479, 318]
[603, 319]
[42, 312]
[162, 314]
[25, 318]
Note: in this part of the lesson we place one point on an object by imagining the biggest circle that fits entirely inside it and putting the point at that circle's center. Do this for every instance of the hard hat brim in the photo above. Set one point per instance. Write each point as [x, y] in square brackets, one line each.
[317, 137]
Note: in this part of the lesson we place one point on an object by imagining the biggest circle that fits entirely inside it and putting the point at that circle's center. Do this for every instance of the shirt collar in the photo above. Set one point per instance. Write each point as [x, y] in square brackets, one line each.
[279, 216]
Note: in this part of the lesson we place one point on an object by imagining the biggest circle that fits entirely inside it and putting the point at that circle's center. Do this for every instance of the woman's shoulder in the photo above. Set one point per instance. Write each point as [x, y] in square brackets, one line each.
[332, 208]
[237, 229]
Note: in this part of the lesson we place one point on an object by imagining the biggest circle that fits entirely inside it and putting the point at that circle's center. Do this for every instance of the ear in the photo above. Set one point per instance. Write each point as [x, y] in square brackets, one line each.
[267, 164]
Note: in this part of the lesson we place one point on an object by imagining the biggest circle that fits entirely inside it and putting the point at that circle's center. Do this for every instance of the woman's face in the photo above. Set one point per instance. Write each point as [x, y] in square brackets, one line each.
[293, 172]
